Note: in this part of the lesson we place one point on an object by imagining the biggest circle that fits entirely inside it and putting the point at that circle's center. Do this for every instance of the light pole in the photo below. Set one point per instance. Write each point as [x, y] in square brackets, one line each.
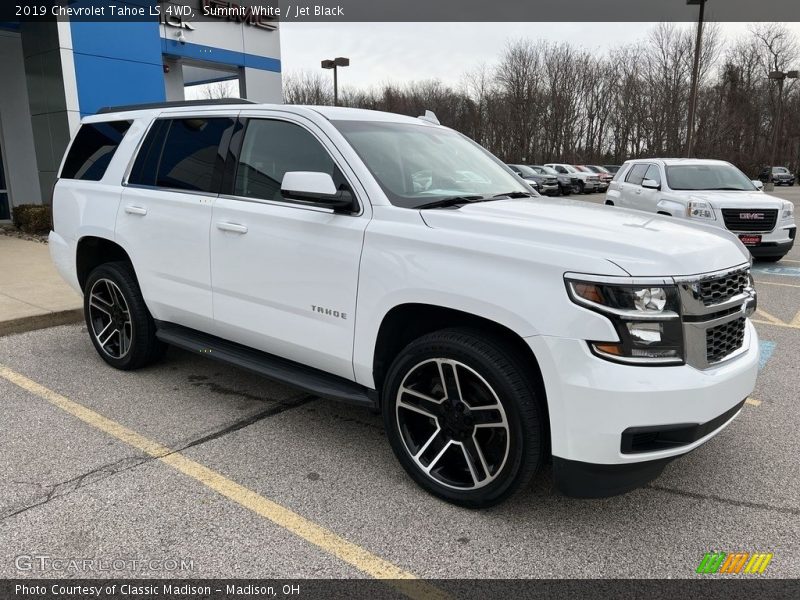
[780, 76]
[695, 77]
[339, 61]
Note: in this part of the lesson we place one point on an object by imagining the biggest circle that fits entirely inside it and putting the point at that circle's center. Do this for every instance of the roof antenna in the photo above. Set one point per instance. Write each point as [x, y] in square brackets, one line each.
[430, 117]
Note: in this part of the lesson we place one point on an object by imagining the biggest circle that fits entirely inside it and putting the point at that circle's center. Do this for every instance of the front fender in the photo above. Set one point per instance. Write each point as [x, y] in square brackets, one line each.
[673, 208]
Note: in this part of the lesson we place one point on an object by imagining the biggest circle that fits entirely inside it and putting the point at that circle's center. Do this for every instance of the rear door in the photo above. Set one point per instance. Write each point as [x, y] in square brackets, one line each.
[285, 275]
[165, 214]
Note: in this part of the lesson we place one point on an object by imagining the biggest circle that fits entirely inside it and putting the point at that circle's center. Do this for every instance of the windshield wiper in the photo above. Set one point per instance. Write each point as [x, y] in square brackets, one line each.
[451, 201]
[515, 195]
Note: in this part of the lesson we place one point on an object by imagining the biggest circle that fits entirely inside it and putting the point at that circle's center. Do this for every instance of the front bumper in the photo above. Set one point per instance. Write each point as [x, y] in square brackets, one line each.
[592, 401]
[551, 188]
[775, 243]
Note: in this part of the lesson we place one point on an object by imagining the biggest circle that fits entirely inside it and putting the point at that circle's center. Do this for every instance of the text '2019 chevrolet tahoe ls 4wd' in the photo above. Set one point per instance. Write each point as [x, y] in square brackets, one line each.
[392, 262]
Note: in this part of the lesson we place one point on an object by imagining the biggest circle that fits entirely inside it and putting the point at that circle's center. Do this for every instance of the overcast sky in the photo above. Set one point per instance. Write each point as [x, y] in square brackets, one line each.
[403, 52]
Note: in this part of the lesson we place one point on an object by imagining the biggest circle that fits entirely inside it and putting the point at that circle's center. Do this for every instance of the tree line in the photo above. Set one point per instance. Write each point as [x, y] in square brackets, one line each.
[547, 101]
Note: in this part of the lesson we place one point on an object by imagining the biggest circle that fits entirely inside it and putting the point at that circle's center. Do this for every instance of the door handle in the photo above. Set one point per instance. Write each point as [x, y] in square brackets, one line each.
[234, 227]
[135, 210]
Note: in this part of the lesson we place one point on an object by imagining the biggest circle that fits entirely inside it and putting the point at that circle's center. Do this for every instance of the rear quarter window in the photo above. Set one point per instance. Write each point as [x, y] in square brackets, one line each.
[92, 150]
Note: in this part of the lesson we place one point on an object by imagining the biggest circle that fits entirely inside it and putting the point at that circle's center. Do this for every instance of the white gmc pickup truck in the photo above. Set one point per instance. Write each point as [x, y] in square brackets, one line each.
[393, 263]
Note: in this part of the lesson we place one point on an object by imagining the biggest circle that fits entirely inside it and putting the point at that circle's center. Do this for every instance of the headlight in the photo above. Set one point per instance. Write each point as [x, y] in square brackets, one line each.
[646, 318]
[699, 210]
[788, 210]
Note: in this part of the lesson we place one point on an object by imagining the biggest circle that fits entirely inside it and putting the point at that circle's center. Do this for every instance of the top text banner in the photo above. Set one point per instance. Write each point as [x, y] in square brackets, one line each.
[187, 11]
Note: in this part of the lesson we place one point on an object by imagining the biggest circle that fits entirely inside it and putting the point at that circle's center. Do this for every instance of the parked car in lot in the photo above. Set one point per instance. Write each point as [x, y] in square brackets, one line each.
[611, 168]
[392, 263]
[602, 182]
[712, 192]
[780, 176]
[605, 175]
[545, 184]
[567, 182]
[588, 182]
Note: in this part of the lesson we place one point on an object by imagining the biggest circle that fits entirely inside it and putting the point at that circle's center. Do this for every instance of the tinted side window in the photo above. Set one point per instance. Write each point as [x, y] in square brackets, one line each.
[272, 148]
[192, 157]
[636, 174]
[653, 173]
[93, 149]
[620, 172]
[145, 168]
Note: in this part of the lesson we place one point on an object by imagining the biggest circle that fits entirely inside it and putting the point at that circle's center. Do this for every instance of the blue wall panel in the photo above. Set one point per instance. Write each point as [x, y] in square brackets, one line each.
[117, 63]
[220, 56]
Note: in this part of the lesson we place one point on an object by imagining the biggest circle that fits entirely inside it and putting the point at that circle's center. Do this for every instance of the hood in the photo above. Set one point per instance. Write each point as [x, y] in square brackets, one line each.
[723, 199]
[577, 234]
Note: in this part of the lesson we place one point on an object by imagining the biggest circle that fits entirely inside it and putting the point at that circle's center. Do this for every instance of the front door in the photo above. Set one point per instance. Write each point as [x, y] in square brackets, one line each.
[285, 275]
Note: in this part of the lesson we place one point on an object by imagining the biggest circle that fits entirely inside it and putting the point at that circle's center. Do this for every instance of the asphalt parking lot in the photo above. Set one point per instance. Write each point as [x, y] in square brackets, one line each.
[195, 461]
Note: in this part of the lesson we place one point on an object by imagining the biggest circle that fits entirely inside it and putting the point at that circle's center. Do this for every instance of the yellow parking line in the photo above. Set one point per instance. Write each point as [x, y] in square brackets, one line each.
[753, 402]
[323, 538]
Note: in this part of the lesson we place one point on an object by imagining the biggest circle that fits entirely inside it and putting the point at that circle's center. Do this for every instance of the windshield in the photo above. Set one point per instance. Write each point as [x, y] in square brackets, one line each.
[780, 170]
[570, 169]
[418, 164]
[708, 177]
[599, 169]
[525, 171]
[544, 170]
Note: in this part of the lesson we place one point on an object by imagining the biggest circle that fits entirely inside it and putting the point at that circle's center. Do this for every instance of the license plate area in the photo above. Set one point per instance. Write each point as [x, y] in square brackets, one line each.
[750, 239]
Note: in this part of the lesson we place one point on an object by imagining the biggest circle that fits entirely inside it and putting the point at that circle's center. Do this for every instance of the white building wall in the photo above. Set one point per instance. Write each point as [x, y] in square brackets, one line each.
[15, 124]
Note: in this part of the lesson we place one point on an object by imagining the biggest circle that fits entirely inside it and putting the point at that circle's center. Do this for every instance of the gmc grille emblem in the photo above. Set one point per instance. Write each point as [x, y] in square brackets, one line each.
[751, 216]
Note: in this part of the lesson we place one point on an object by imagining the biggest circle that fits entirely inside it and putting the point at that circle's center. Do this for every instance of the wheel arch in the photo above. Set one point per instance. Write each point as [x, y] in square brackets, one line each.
[93, 251]
[407, 322]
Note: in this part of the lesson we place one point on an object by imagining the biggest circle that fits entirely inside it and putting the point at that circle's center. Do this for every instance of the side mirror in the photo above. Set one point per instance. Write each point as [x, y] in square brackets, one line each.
[315, 188]
[759, 184]
[651, 184]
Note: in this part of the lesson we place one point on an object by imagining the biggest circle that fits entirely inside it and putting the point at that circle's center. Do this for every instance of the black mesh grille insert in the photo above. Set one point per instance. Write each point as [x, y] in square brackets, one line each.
[714, 291]
[750, 219]
[724, 339]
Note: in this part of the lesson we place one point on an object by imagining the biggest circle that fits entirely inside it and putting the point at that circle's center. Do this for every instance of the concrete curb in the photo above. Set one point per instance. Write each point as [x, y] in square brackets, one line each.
[64, 317]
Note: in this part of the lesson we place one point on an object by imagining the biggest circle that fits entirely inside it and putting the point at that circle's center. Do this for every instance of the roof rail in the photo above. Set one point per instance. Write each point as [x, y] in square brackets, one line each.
[174, 104]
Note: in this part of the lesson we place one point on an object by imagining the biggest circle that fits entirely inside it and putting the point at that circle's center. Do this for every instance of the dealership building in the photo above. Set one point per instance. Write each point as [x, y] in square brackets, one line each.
[54, 73]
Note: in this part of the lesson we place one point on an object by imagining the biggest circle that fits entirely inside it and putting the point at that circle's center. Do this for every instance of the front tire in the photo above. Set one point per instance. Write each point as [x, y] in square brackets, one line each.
[120, 326]
[462, 417]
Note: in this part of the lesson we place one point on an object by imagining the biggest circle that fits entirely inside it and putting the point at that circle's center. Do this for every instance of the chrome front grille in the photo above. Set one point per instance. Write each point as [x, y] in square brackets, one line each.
[724, 340]
[720, 289]
[714, 309]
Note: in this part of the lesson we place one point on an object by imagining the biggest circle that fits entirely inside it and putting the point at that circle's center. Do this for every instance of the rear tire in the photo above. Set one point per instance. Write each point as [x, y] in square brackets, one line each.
[609, 203]
[578, 188]
[565, 191]
[462, 417]
[120, 326]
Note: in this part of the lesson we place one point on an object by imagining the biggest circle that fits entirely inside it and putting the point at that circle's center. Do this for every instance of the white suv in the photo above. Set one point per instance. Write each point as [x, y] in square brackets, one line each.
[393, 263]
[713, 192]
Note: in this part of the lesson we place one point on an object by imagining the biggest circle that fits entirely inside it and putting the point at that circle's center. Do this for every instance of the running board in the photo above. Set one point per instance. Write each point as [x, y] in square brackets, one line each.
[279, 369]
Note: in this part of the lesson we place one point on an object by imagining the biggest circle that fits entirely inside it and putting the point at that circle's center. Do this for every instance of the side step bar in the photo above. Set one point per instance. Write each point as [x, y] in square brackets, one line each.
[285, 371]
